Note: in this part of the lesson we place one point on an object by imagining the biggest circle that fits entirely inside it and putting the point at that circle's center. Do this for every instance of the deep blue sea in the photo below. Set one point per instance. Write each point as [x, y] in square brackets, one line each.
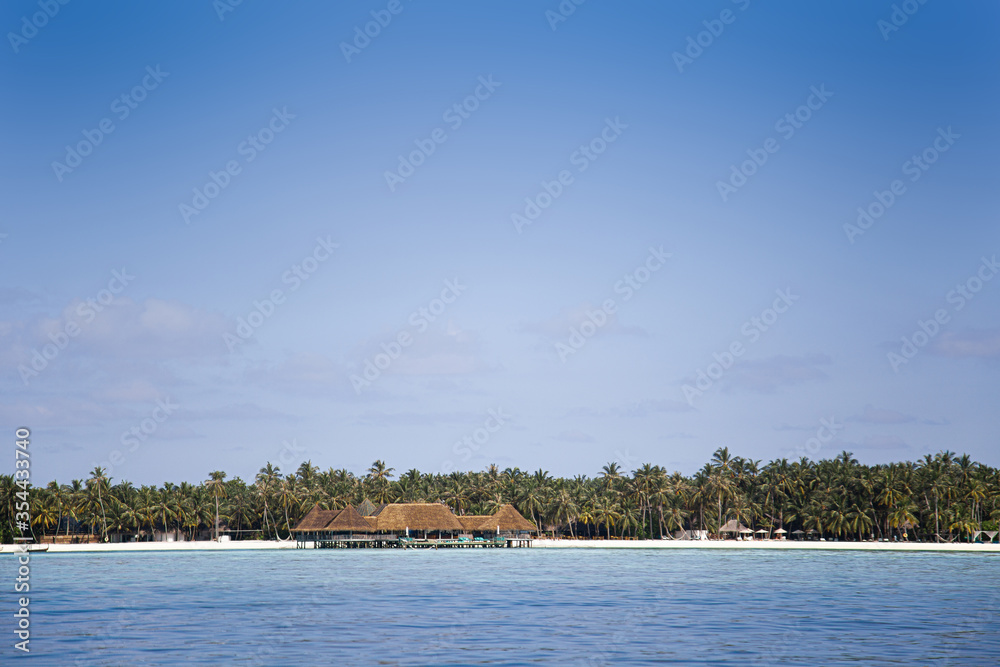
[509, 607]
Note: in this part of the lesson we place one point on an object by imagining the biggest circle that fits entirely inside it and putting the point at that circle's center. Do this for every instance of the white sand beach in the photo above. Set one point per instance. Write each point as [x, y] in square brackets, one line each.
[779, 545]
[248, 545]
[790, 545]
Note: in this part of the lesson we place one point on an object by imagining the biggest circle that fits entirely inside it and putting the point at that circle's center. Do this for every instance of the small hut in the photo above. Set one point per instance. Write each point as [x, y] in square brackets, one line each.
[348, 521]
[315, 521]
[734, 526]
[507, 521]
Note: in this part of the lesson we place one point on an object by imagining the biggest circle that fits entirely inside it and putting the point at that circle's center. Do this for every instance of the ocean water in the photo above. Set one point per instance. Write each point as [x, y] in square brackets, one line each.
[509, 607]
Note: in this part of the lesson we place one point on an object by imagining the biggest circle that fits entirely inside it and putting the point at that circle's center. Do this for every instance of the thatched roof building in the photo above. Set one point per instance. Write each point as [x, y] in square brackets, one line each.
[733, 526]
[400, 517]
[507, 519]
[471, 522]
[397, 517]
[316, 520]
[348, 521]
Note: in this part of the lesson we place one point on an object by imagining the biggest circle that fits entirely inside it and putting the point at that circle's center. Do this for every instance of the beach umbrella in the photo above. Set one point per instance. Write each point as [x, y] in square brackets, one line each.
[760, 530]
[745, 531]
[780, 531]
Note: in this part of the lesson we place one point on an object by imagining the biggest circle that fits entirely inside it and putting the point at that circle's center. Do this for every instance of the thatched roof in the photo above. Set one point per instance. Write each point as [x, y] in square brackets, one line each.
[315, 520]
[508, 519]
[348, 521]
[472, 521]
[732, 526]
[397, 517]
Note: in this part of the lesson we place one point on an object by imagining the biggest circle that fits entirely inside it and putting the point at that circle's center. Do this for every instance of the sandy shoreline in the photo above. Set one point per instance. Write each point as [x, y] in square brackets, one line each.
[250, 545]
[551, 544]
[779, 545]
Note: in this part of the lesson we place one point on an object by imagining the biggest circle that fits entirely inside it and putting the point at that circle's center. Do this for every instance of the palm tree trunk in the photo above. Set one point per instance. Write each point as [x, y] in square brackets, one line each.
[937, 526]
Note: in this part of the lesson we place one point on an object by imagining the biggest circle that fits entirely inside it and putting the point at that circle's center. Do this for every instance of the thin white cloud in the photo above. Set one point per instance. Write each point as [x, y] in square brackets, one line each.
[559, 326]
[873, 415]
[767, 375]
[573, 435]
[974, 343]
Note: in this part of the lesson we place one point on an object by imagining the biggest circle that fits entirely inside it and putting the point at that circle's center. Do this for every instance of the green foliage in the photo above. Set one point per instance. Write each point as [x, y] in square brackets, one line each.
[942, 497]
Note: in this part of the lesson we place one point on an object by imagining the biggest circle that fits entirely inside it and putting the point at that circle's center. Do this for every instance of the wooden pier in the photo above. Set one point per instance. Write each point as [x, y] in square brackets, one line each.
[394, 542]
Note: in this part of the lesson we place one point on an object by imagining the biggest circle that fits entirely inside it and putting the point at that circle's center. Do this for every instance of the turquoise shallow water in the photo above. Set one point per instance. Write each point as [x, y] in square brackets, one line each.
[511, 607]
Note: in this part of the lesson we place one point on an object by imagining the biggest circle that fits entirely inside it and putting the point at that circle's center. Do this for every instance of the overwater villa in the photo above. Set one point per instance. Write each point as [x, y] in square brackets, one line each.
[411, 525]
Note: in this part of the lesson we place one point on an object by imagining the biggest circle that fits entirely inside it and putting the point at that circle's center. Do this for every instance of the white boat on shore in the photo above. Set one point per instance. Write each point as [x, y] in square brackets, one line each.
[19, 548]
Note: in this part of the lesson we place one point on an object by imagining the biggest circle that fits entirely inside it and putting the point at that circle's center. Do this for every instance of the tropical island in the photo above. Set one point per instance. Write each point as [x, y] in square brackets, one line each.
[940, 498]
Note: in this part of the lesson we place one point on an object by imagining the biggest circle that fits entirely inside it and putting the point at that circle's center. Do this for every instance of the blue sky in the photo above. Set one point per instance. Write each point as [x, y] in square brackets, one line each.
[533, 316]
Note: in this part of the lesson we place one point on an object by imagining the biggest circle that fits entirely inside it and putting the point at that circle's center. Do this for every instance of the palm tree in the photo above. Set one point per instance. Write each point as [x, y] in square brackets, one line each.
[606, 512]
[288, 496]
[46, 514]
[531, 501]
[165, 507]
[99, 480]
[564, 508]
[721, 477]
[610, 474]
[217, 488]
[146, 507]
[266, 481]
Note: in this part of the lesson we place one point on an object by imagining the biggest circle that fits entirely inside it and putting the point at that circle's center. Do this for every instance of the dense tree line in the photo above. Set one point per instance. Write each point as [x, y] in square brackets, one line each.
[941, 497]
